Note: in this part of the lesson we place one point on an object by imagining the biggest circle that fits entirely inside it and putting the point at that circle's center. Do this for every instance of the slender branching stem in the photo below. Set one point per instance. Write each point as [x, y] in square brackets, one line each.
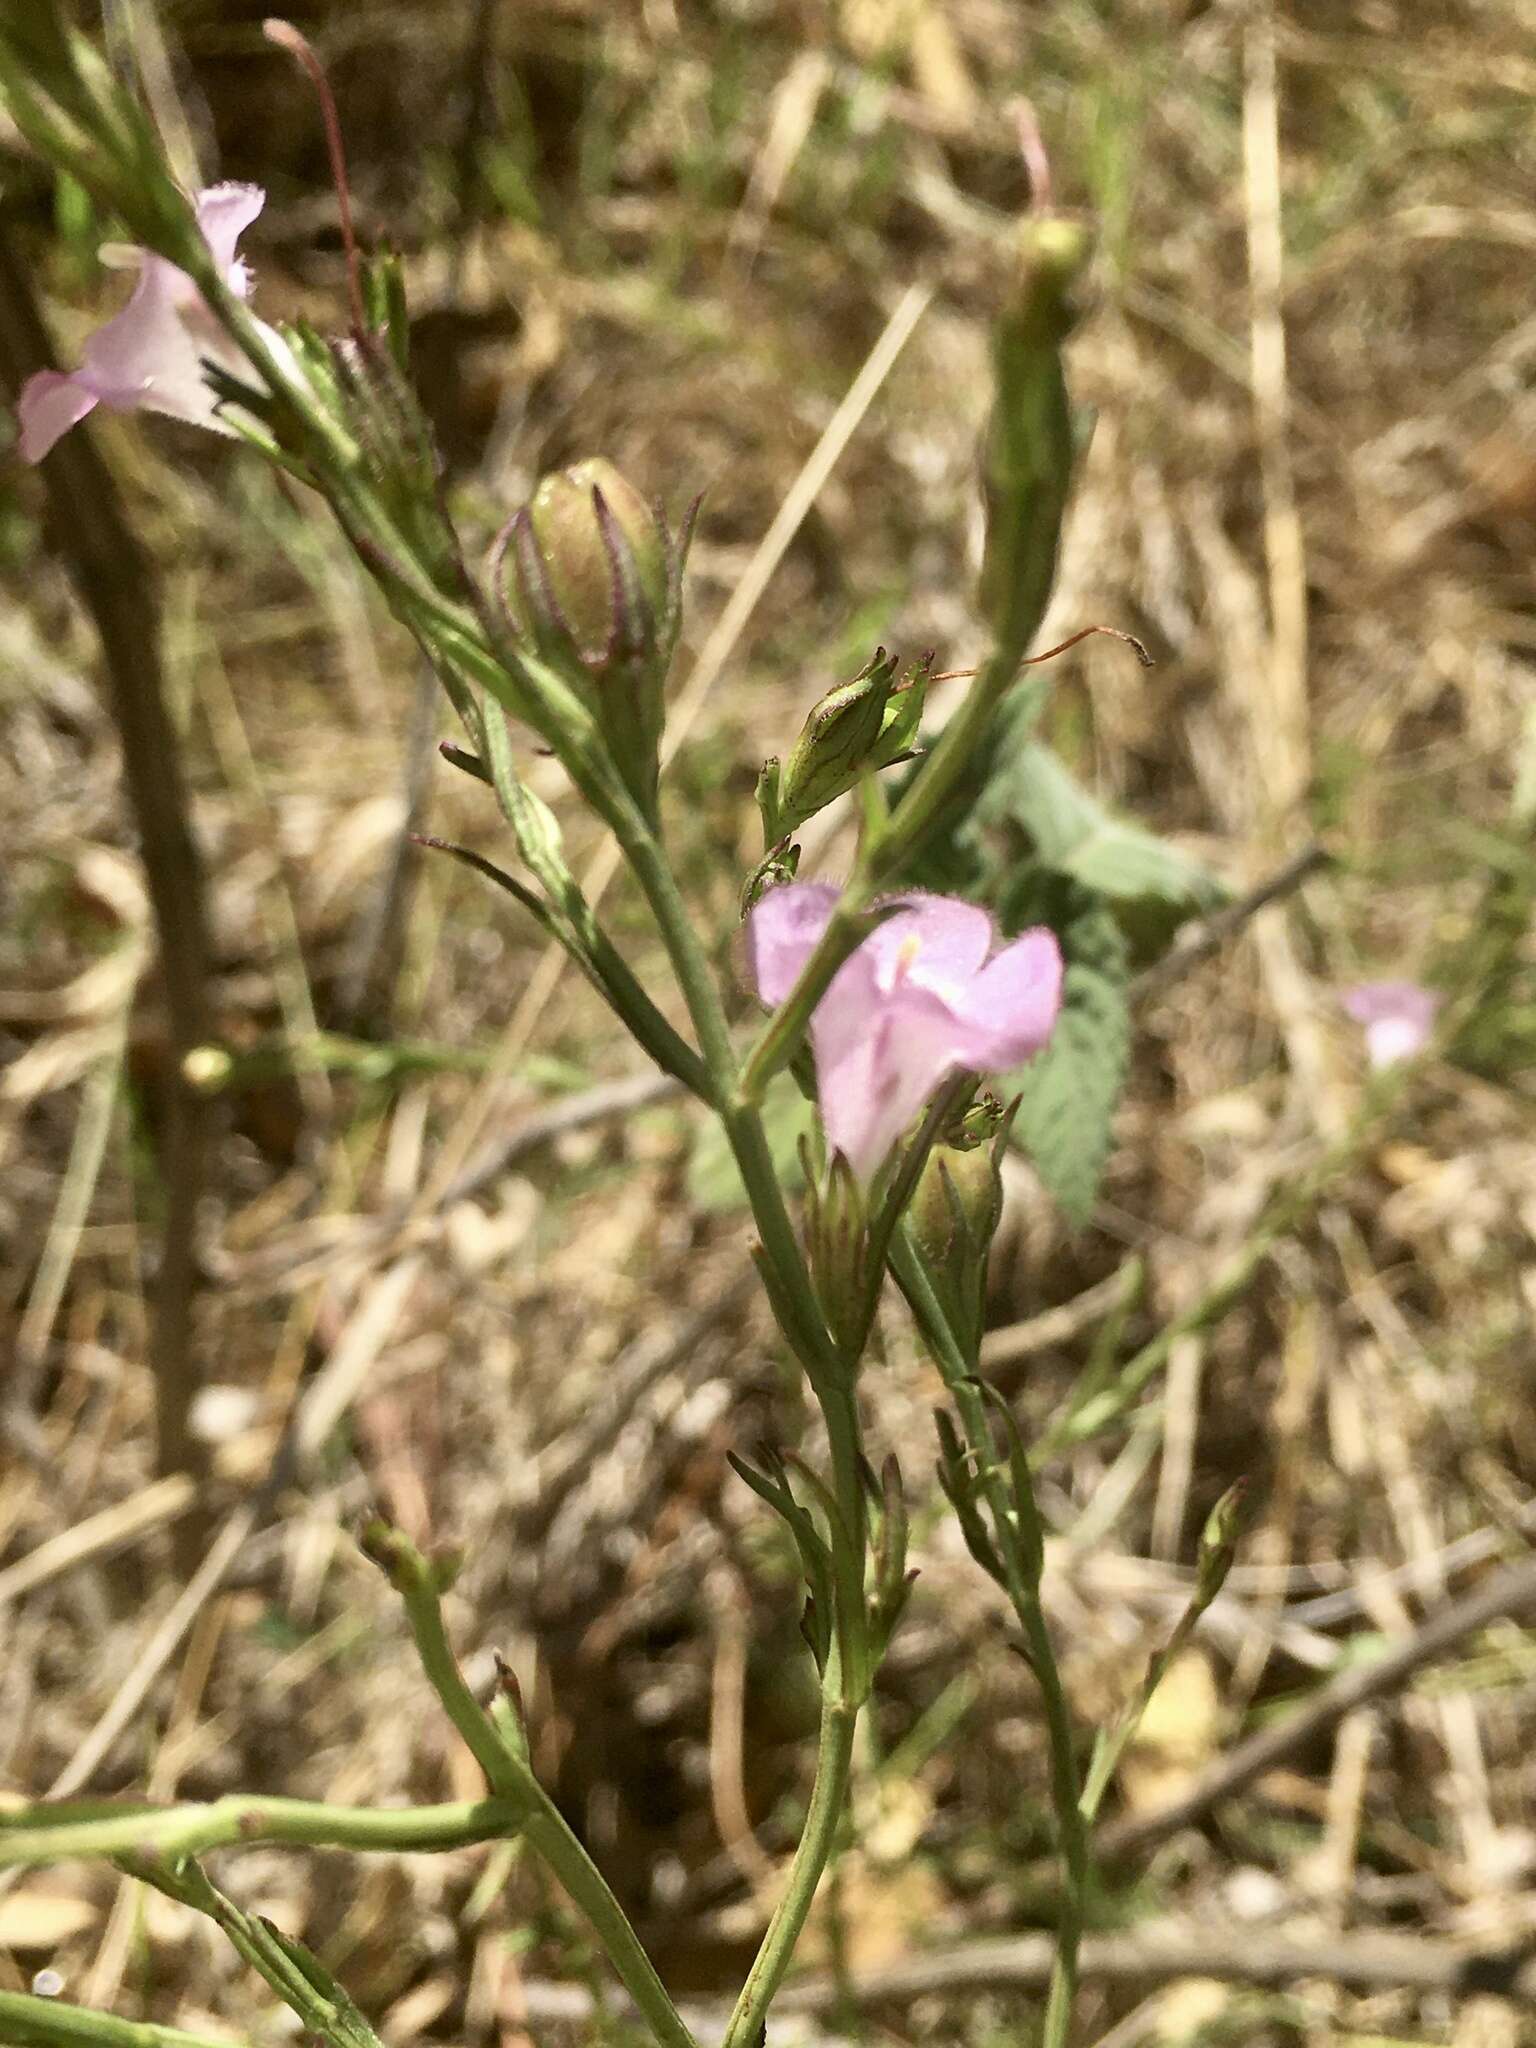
[1015, 1546]
[27, 2021]
[297, 1975]
[511, 1780]
[57, 1833]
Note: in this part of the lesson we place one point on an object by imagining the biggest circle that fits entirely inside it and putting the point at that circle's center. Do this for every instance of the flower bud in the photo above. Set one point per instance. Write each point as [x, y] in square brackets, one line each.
[859, 726]
[1032, 437]
[1218, 1544]
[953, 1216]
[838, 1250]
[596, 585]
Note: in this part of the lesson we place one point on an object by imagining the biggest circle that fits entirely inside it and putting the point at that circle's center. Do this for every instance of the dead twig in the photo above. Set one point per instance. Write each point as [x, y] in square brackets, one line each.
[1507, 1594]
[1211, 935]
[1252, 1956]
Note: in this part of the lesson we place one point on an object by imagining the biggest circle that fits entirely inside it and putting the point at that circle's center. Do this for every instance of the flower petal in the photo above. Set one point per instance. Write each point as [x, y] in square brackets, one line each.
[1012, 1005]
[1371, 1001]
[1398, 1017]
[50, 404]
[145, 356]
[782, 933]
[879, 1060]
[224, 212]
[938, 940]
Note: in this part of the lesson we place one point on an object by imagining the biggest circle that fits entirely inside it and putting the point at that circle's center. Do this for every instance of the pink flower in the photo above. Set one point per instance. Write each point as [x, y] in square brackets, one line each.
[923, 998]
[1398, 1017]
[152, 354]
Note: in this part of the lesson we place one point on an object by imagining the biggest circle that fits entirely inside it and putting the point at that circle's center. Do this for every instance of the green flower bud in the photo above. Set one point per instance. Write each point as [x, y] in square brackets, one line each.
[838, 1249]
[596, 587]
[1218, 1544]
[1032, 438]
[953, 1217]
[858, 727]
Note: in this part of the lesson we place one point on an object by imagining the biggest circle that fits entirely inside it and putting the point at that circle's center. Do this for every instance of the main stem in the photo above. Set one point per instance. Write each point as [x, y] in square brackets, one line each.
[1066, 1788]
[847, 1678]
[834, 1759]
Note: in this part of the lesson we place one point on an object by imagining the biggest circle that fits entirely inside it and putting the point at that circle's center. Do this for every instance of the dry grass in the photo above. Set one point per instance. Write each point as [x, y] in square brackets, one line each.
[1327, 544]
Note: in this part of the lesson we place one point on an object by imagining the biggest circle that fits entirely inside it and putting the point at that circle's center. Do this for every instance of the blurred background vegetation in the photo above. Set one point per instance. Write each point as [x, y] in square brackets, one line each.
[507, 1298]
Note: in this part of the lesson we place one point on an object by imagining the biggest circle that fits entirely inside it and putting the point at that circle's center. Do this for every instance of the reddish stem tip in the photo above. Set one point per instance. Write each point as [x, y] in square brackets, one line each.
[297, 44]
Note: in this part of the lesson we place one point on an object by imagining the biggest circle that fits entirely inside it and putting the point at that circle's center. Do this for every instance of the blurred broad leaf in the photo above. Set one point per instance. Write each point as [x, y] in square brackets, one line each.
[1151, 887]
[1069, 1092]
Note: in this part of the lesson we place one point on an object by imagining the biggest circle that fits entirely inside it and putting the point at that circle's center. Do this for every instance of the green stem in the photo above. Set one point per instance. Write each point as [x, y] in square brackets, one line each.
[1065, 1797]
[89, 1829]
[849, 1673]
[855, 1673]
[834, 1759]
[742, 1123]
[29, 2022]
[298, 1977]
[540, 1821]
[1015, 1548]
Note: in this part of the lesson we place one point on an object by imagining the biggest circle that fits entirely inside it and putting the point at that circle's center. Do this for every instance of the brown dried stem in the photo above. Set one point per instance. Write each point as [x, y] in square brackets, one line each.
[117, 587]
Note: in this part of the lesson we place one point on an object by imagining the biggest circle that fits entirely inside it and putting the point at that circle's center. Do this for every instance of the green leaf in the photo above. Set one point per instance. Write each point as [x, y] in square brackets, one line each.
[1151, 887]
[1070, 1090]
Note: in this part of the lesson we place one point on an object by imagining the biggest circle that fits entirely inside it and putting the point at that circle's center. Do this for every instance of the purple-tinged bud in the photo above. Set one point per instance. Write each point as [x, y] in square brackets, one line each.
[594, 582]
[568, 580]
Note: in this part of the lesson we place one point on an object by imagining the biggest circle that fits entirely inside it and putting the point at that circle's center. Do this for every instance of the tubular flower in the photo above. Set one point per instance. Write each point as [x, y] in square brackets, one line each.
[923, 998]
[1396, 1016]
[152, 354]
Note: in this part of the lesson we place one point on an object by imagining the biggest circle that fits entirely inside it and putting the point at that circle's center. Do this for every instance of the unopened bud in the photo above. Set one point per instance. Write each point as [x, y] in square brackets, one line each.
[838, 1250]
[856, 728]
[1032, 439]
[568, 580]
[595, 584]
[1218, 1543]
[953, 1217]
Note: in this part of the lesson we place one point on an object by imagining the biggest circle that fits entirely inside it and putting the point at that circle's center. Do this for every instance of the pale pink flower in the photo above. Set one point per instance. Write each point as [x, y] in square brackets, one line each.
[1397, 1017]
[923, 998]
[152, 353]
